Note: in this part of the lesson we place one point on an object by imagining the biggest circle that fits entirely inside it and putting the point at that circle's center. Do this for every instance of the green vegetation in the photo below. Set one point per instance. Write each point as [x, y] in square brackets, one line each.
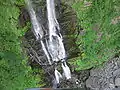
[100, 38]
[14, 73]
[99, 41]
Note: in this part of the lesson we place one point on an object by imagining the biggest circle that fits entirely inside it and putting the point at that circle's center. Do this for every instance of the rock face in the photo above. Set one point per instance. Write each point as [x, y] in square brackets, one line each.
[117, 81]
[77, 81]
[106, 77]
[67, 19]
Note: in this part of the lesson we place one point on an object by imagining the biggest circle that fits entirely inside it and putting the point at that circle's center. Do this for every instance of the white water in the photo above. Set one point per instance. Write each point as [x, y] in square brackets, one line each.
[66, 70]
[38, 31]
[55, 43]
[58, 76]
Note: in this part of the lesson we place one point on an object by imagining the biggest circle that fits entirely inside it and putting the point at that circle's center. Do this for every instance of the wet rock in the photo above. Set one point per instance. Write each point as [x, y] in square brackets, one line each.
[24, 17]
[89, 83]
[117, 81]
[77, 80]
[116, 72]
[94, 72]
[106, 77]
[111, 85]
[111, 80]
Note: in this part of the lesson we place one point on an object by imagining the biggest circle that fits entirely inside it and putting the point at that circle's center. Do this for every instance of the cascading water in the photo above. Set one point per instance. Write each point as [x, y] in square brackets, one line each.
[54, 50]
[37, 27]
[55, 43]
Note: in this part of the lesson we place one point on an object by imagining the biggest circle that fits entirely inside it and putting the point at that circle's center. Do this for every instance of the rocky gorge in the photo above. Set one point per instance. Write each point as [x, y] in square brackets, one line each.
[105, 77]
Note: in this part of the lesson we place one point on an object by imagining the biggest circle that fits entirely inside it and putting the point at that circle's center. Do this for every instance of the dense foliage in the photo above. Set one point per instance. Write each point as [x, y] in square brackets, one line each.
[100, 38]
[14, 73]
[98, 41]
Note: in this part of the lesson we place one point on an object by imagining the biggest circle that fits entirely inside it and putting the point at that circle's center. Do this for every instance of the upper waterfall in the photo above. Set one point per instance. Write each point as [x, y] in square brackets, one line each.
[37, 27]
[55, 45]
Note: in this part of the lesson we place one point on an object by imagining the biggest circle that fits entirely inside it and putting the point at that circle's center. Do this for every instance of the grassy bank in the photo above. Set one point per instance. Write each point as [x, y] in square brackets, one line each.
[100, 38]
[14, 73]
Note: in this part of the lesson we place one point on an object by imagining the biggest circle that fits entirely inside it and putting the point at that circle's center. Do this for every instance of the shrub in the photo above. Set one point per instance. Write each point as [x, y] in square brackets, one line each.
[100, 39]
[14, 73]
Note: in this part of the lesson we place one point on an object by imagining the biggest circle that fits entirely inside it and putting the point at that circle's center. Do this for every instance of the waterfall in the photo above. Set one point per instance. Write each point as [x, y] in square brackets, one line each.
[37, 28]
[55, 43]
[54, 47]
